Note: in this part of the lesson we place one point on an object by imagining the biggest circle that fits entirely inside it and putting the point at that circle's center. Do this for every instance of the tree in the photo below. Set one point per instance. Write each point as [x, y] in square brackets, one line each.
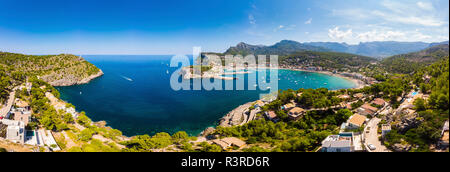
[180, 136]
[84, 120]
[68, 118]
[343, 114]
[419, 104]
[86, 135]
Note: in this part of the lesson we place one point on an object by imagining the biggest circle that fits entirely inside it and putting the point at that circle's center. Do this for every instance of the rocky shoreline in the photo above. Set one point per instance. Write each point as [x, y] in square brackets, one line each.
[69, 82]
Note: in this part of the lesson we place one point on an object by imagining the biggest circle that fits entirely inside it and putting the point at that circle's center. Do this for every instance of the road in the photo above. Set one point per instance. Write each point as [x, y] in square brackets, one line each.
[4, 111]
[372, 137]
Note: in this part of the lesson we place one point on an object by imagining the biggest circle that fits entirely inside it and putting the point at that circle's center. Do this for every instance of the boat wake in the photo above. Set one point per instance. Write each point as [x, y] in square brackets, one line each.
[129, 79]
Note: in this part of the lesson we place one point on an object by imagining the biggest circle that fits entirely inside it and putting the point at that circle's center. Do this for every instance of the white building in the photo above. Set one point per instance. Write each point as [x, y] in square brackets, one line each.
[337, 143]
[15, 131]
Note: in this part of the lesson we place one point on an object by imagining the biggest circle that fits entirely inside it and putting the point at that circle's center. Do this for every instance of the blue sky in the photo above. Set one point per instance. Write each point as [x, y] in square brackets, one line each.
[175, 26]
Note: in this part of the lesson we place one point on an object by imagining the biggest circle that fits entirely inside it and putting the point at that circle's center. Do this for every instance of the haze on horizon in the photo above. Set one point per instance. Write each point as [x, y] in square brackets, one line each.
[175, 26]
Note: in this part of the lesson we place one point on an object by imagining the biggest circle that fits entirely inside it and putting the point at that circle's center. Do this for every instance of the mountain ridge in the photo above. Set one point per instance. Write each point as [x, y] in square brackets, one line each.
[377, 49]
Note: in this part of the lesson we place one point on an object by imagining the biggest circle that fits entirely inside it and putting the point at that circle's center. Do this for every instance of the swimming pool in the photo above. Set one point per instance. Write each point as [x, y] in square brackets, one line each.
[30, 133]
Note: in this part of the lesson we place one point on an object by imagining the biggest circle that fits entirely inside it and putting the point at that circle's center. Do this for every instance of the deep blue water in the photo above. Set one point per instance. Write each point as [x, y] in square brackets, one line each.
[135, 96]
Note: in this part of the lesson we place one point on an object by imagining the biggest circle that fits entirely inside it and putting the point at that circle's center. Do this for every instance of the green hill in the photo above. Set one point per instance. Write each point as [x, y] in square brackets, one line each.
[58, 70]
[284, 47]
[327, 60]
[408, 63]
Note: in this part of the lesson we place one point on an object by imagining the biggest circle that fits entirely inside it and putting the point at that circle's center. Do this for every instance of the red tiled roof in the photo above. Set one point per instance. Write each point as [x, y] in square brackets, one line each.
[378, 101]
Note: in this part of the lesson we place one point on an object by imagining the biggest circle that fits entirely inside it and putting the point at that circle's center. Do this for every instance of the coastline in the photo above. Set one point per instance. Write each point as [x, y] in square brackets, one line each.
[63, 82]
[359, 84]
[219, 75]
[230, 119]
[235, 116]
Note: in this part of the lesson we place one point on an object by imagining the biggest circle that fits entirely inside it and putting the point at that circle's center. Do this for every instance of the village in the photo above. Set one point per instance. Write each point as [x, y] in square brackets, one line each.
[364, 131]
[16, 116]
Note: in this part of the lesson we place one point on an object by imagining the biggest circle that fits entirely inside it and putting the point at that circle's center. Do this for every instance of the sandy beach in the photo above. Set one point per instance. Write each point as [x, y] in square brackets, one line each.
[359, 84]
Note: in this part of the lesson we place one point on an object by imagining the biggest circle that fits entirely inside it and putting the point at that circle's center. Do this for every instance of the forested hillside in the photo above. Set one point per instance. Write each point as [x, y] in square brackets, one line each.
[431, 112]
[63, 69]
[408, 63]
[284, 47]
[329, 60]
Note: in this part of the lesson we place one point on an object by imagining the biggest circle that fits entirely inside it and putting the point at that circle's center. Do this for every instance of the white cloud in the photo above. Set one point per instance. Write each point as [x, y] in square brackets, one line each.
[309, 21]
[421, 36]
[394, 12]
[283, 27]
[352, 14]
[425, 5]
[335, 33]
[381, 34]
[414, 20]
[375, 35]
[251, 19]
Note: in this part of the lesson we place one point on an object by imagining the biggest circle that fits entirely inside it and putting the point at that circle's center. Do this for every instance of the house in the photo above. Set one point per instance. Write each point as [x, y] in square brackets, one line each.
[226, 143]
[367, 110]
[359, 95]
[233, 141]
[19, 104]
[296, 113]
[344, 96]
[271, 115]
[379, 102]
[299, 94]
[24, 117]
[348, 106]
[288, 106]
[385, 128]
[259, 103]
[15, 130]
[337, 143]
[356, 121]
[444, 139]
[371, 108]
[444, 136]
[221, 143]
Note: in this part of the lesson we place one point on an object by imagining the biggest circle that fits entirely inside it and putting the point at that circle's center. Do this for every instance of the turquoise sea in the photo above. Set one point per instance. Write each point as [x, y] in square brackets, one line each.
[134, 95]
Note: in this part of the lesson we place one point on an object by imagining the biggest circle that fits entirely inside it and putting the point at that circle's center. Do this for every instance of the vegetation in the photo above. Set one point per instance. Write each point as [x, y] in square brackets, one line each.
[284, 47]
[432, 112]
[317, 98]
[327, 60]
[3, 150]
[158, 141]
[409, 63]
[303, 135]
[50, 68]
[200, 68]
